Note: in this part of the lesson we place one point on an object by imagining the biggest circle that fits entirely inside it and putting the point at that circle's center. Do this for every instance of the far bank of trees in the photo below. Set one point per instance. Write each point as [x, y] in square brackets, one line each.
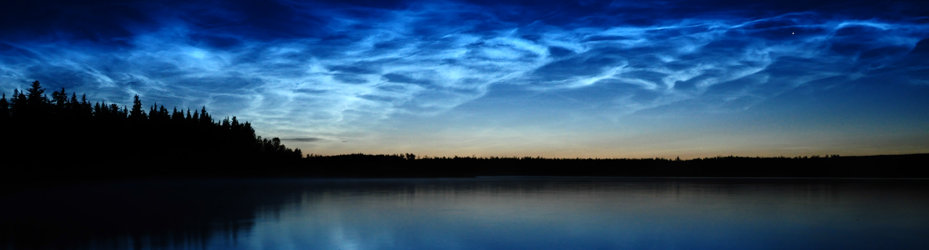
[67, 134]
[409, 165]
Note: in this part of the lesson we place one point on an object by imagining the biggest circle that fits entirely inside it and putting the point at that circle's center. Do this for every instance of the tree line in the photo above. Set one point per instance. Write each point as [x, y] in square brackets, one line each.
[409, 165]
[67, 135]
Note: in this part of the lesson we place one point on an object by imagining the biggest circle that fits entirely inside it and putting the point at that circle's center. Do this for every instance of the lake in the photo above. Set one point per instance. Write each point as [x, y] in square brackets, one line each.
[479, 213]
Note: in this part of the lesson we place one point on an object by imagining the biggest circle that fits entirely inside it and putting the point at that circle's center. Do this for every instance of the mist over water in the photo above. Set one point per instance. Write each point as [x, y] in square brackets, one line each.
[473, 214]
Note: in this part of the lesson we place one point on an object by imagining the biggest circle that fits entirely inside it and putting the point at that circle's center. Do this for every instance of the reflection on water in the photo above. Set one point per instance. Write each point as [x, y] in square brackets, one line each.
[472, 214]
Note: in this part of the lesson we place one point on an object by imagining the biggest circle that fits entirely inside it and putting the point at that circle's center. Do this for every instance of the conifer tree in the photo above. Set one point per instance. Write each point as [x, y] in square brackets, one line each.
[4, 109]
[86, 109]
[36, 93]
[137, 113]
[16, 103]
[205, 117]
[177, 116]
[225, 123]
[73, 104]
[59, 98]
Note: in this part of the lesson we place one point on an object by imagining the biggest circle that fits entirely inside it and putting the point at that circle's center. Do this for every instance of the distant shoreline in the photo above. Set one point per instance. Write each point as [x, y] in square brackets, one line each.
[358, 166]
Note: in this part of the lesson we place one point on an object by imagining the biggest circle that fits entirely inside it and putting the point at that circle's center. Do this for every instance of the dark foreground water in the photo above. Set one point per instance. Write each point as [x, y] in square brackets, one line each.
[481, 213]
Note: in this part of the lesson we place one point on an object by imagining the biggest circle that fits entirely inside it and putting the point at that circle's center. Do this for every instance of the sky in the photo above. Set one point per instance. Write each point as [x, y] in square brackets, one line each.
[607, 79]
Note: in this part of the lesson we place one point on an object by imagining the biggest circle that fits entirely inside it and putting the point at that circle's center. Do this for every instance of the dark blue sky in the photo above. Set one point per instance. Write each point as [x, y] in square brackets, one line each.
[549, 78]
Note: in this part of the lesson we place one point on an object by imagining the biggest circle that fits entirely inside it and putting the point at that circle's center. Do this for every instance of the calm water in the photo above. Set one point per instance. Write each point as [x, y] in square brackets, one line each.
[472, 214]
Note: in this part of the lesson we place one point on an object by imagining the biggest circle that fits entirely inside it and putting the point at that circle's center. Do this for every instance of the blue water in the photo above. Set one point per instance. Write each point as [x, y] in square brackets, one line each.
[483, 213]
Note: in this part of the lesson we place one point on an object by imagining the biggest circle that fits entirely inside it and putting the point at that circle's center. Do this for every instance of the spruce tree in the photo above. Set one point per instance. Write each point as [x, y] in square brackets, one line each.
[205, 117]
[36, 93]
[4, 109]
[137, 113]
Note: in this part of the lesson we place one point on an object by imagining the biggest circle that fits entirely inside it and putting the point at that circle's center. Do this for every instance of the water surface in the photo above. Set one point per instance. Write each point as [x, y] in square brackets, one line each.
[482, 213]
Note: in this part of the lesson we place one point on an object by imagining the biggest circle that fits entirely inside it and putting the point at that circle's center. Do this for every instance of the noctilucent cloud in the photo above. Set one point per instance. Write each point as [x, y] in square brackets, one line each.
[503, 78]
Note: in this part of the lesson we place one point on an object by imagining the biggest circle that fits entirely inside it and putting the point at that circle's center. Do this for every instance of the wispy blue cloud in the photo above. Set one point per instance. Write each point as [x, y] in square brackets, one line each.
[327, 69]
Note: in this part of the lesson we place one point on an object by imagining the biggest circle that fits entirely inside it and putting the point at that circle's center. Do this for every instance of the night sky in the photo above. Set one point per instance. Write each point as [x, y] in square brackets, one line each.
[503, 78]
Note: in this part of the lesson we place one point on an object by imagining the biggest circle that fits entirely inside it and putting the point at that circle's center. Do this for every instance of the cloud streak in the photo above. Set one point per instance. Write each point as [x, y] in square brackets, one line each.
[310, 139]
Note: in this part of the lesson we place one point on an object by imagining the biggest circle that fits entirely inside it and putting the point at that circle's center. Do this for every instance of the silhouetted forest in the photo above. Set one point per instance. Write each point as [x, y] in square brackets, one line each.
[408, 165]
[68, 137]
